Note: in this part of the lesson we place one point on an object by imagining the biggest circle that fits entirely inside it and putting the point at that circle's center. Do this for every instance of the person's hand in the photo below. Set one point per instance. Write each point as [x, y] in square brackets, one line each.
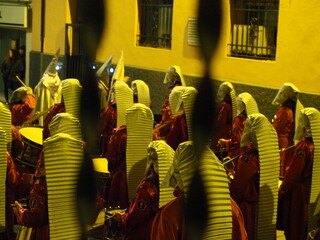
[222, 142]
[17, 206]
[117, 217]
[29, 90]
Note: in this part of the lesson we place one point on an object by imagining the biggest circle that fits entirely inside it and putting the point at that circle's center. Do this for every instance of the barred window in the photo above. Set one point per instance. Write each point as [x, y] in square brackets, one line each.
[155, 23]
[254, 25]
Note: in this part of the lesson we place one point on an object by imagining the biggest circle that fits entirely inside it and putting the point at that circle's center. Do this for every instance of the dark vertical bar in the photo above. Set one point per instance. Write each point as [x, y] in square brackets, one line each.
[43, 10]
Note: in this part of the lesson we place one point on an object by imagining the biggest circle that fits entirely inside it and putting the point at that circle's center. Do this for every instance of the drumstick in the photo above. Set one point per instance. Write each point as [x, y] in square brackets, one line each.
[35, 117]
[14, 205]
[17, 77]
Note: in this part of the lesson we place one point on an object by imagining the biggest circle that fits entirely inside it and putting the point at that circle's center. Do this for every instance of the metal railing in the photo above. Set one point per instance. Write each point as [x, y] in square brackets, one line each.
[254, 26]
[75, 57]
[155, 21]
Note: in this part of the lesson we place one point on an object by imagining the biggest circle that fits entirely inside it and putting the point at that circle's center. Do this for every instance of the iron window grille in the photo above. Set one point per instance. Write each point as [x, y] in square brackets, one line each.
[155, 23]
[254, 25]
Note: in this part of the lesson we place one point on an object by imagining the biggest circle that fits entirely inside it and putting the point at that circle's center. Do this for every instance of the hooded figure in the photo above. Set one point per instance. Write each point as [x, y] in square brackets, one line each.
[169, 222]
[227, 111]
[141, 92]
[103, 77]
[255, 183]
[71, 93]
[136, 223]
[48, 90]
[246, 105]
[139, 122]
[181, 104]
[175, 78]
[301, 186]
[284, 121]
[22, 104]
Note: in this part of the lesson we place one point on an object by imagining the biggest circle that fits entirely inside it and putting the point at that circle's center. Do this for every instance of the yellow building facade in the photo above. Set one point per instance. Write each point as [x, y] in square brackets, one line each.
[297, 43]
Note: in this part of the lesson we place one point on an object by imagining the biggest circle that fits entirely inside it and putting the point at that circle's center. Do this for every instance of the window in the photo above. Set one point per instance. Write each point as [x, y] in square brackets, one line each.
[254, 26]
[155, 23]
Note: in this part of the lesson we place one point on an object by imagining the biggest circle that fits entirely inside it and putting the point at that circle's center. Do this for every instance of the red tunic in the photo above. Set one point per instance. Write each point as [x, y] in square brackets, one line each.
[137, 222]
[223, 124]
[169, 223]
[166, 118]
[12, 181]
[238, 227]
[284, 125]
[244, 188]
[178, 132]
[233, 146]
[36, 216]
[22, 112]
[295, 189]
[54, 110]
[118, 192]
[108, 121]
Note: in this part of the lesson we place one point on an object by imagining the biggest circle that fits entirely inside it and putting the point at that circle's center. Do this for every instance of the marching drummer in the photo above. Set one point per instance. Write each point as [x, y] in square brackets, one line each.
[21, 105]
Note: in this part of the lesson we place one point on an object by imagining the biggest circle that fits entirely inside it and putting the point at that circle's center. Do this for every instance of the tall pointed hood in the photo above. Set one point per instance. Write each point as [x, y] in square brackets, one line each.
[139, 121]
[224, 89]
[140, 88]
[118, 74]
[51, 68]
[258, 129]
[250, 104]
[103, 72]
[161, 166]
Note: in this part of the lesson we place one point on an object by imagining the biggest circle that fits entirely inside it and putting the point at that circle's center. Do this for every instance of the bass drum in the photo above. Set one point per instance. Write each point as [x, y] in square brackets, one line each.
[32, 138]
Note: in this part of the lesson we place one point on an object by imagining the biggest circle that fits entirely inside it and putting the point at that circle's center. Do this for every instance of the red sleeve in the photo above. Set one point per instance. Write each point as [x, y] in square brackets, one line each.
[224, 115]
[21, 112]
[247, 168]
[108, 121]
[294, 173]
[116, 153]
[238, 226]
[169, 221]
[165, 121]
[54, 110]
[178, 132]
[37, 214]
[141, 209]
[284, 120]
[13, 176]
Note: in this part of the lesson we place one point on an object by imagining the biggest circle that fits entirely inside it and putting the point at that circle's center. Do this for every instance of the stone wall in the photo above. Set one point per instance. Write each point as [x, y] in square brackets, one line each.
[158, 90]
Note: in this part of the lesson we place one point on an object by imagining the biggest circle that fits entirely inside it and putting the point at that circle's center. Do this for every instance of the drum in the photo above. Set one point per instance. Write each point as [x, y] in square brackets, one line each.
[32, 138]
[112, 229]
[102, 175]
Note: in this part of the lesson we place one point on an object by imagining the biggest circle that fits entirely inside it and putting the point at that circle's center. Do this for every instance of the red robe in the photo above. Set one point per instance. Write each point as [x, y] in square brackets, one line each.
[223, 124]
[233, 146]
[178, 132]
[118, 192]
[22, 112]
[169, 223]
[284, 125]
[244, 188]
[238, 226]
[12, 181]
[166, 118]
[54, 110]
[108, 121]
[36, 216]
[136, 223]
[296, 191]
